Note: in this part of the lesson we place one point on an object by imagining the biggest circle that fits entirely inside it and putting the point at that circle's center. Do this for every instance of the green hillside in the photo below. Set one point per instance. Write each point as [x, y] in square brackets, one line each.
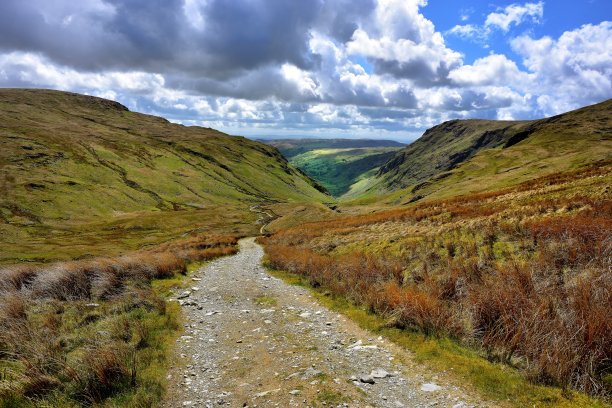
[84, 175]
[468, 156]
[337, 163]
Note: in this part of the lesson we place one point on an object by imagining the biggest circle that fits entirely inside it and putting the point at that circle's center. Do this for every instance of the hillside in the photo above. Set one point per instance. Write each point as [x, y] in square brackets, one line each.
[521, 276]
[84, 175]
[467, 156]
[337, 163]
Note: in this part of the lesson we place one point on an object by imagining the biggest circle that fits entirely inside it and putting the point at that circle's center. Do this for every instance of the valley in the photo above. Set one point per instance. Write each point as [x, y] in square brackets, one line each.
[338, 164]
[146, 263]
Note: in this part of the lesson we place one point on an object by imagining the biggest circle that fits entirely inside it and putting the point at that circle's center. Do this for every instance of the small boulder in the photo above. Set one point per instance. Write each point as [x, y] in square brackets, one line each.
[380, 373]
[367, 379]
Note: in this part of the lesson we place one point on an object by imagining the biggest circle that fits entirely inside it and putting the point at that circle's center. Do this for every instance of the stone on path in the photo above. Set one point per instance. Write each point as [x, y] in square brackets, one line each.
[430, 387]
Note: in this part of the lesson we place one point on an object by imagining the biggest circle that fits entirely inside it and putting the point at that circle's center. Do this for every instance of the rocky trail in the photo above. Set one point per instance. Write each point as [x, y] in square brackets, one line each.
[252, 340]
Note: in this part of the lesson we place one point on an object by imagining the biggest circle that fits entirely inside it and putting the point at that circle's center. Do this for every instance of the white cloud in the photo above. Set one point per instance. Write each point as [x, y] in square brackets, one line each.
[574, 70]
[494, 69]
[465, 31]
[28, 68]
[512, 15]
[466, 13]
[303, 80]
[515, 14]
[402, 42]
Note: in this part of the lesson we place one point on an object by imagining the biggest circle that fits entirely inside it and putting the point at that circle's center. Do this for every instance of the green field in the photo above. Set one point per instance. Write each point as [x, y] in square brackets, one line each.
[337, 164]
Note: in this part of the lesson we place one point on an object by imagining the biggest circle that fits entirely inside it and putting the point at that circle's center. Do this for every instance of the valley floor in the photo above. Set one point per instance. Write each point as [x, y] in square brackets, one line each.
[251, 339]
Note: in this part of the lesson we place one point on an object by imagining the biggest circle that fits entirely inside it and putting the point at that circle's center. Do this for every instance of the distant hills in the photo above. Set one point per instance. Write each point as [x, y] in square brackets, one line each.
[74, 165]
[466, 156]
[337, 164]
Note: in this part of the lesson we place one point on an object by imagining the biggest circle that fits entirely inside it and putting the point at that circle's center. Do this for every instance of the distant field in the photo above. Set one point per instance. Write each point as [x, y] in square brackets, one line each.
[337, 164]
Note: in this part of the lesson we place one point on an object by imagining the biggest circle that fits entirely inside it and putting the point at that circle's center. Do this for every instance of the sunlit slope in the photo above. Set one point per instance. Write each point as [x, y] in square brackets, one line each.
[337, 163]
[71, 160]
[466, 156]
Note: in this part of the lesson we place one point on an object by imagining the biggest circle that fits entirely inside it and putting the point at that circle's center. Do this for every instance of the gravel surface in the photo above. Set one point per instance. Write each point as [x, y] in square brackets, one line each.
[252, 340]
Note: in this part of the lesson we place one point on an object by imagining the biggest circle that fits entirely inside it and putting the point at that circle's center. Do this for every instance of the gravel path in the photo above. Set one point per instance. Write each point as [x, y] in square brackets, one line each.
[251, 340]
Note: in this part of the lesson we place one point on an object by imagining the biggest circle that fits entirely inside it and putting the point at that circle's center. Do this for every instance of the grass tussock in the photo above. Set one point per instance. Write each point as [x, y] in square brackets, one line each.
[93, 332]
[524, 275]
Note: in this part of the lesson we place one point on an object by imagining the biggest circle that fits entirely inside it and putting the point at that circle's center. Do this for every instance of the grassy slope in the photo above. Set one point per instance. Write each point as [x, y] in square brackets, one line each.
[337, 163]
[466, 156]
[83, 175]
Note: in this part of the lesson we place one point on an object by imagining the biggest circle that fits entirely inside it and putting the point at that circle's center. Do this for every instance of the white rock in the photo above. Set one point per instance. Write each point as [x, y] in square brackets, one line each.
[430, 387]
[184, 295]
[367, 379]
[380, 373]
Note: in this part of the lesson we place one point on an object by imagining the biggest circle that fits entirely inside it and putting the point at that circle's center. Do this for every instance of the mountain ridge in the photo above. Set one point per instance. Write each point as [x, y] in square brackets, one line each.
[449, 154]
[70, 160]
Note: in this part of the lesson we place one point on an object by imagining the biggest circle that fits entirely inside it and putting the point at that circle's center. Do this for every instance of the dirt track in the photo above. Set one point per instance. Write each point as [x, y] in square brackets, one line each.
[252, 340]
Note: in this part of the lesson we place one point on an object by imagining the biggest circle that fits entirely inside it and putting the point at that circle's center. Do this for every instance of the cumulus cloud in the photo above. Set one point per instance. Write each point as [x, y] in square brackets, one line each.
[515, 14]
[573, 70]
[494, 69]
[279, 67]
[401, 42]
[503, 20]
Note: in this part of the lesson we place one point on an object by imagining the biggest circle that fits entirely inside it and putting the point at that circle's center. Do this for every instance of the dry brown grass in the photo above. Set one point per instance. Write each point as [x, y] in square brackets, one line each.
[525, 273]
[59, 347]
[102, 278]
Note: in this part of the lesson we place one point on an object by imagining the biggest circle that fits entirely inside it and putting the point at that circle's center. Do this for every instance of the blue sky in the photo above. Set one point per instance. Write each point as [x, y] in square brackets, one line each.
[558, 17]
[320, 68]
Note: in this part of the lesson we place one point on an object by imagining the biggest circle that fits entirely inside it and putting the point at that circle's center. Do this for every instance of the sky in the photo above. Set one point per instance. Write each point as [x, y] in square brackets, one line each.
[385, 69]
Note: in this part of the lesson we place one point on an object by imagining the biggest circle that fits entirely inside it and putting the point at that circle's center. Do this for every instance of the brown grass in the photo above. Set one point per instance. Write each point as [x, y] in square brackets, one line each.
[55, 344]
[525, 273]
[102, 278]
